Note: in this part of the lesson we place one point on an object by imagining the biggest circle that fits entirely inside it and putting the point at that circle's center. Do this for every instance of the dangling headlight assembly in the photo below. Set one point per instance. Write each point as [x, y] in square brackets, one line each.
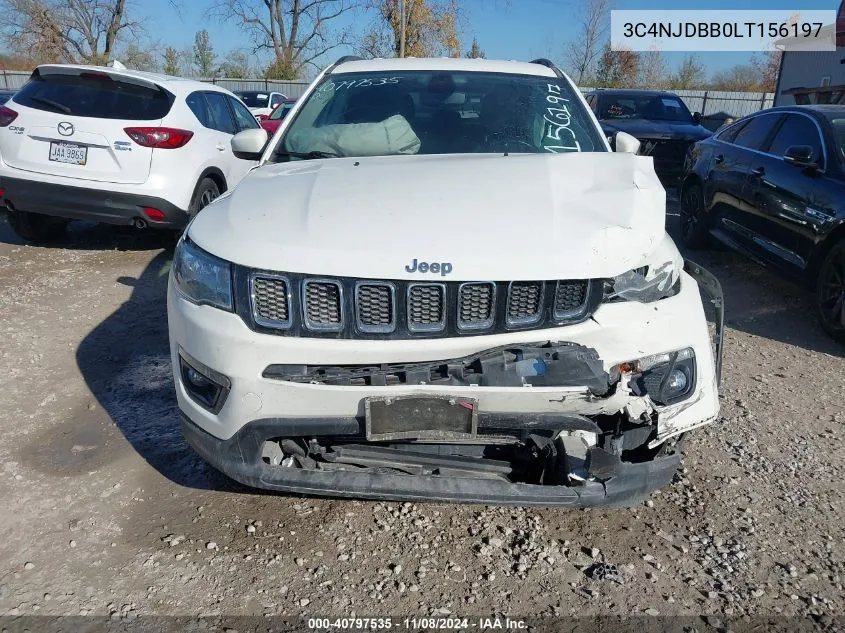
[667, 378]
[651, 282]
[201, 277]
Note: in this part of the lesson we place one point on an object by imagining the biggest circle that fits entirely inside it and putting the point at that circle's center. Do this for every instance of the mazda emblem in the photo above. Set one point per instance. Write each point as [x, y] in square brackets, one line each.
[65, 129]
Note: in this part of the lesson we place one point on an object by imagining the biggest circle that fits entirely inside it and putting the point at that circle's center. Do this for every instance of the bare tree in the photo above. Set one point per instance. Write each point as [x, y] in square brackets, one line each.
[739, 78]
[653, 73]
[431, 28]
[236, 65]
[583, 52]
[768, 65]
[138, 58]
[75, 31]
[296, 32]
[617, 69]
[690, 74]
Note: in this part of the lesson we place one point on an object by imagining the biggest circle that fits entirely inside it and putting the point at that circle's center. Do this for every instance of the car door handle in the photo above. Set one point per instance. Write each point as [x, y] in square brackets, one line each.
[221, 147]
[758, 172]
[718, 159]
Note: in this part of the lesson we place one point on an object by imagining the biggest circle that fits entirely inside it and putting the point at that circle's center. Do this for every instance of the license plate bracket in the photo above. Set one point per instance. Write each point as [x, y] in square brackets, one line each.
[69, 153]
[429, 417]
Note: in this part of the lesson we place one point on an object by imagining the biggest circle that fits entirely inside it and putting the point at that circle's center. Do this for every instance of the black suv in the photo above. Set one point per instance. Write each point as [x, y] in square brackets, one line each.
[660, 120]
[772, 186]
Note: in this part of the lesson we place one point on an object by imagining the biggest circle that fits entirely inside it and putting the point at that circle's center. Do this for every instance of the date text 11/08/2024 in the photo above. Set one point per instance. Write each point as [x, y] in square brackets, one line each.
[415, 624]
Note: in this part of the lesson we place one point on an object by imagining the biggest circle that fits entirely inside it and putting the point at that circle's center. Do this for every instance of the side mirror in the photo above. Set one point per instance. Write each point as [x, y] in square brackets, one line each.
[800, 156]
[249, 144]
[626, 144]
[696, 117]
[262, 117]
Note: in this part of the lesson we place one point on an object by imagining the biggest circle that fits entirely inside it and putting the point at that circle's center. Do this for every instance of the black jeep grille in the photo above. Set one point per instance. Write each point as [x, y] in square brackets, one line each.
[323, 307]
[475, 305]
[426, 306]
[295, 304]
[270, 298]
[524, 301]
[374, 305]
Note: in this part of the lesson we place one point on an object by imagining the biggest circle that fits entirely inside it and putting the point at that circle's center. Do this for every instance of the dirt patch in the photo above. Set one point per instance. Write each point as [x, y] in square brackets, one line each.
[82, 444]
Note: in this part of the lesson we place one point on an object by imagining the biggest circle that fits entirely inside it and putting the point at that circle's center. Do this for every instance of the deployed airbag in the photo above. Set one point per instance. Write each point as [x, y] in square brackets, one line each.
[391, 136]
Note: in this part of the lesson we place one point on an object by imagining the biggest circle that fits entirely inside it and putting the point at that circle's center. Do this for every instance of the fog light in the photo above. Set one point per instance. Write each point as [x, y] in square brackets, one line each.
[205, 386]
[197, 379]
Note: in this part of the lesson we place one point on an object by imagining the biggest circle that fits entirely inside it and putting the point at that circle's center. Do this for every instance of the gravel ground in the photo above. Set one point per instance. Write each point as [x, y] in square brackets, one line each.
[107, 512]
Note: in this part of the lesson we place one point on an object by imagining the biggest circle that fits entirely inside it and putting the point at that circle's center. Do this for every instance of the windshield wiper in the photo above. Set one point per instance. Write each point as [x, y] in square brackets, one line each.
[53, 104]
[308, 155]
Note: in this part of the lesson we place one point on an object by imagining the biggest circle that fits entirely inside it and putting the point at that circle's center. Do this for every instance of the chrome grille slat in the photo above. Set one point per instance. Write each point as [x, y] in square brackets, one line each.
[323, 304]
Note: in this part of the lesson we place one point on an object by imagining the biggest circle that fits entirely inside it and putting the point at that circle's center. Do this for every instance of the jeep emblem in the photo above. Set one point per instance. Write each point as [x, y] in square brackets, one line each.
[444, 268]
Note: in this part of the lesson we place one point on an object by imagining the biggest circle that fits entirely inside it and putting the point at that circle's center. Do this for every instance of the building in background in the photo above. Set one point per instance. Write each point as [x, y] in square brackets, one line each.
[814, 76]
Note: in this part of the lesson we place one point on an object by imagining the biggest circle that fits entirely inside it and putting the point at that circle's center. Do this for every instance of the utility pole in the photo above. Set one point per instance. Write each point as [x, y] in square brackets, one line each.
[401, 28]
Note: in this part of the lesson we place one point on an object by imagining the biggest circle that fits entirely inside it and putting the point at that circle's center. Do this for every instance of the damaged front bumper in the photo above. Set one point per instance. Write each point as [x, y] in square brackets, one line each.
[588, 420]
[240, 458]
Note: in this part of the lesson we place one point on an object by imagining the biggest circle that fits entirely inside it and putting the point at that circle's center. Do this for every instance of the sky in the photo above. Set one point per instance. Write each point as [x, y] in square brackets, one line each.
[506, 29]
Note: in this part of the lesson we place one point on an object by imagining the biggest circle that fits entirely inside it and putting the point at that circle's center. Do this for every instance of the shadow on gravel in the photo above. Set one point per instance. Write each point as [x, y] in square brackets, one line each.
[92, 236]
[125, 362]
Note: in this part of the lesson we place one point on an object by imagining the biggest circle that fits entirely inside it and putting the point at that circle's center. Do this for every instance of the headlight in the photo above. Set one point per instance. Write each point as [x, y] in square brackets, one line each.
[201, 277]
[651, 282]
[667, 378]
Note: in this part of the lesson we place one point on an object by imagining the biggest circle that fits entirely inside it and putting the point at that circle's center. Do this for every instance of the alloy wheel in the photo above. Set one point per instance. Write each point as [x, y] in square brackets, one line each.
[832, 290]
[690, 213]
[207, 197]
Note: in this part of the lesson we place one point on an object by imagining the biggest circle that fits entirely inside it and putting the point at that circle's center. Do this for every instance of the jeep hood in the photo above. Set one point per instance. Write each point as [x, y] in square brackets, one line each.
[491, 216]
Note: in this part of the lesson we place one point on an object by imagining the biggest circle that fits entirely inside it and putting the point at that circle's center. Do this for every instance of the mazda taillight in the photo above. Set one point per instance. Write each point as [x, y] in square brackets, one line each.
[7, 115]
[159, 137]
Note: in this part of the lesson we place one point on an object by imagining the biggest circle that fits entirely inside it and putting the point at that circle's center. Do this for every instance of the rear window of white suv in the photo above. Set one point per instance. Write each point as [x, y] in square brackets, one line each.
[96, 95]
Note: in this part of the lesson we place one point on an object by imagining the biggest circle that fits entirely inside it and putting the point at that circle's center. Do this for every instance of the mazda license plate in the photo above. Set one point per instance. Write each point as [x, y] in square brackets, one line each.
[68, 153]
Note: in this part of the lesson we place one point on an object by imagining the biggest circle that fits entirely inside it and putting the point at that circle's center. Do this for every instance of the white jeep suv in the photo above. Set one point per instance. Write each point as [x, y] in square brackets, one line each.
[116, 146]
[441, 283]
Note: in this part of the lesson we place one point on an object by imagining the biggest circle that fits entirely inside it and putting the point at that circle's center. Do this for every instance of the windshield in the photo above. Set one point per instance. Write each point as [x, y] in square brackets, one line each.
[436, 112]
[282, 110]
[255, 99]
[649, 107]
[839, 132]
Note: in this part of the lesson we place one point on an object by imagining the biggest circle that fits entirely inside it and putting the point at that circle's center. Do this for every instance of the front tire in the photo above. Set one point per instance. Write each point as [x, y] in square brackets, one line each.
[36, 227]
[695, 229]
[830, 292]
